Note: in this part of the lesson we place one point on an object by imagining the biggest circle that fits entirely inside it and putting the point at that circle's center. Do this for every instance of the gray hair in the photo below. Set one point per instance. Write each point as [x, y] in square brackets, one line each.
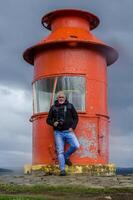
[60, 93]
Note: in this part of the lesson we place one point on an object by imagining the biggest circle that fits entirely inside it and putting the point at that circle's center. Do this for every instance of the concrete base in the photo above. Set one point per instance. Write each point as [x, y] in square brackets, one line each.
[97, 170]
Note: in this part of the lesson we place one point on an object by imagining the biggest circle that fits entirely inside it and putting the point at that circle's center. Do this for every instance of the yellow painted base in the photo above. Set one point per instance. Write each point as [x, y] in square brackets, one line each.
[98, 170]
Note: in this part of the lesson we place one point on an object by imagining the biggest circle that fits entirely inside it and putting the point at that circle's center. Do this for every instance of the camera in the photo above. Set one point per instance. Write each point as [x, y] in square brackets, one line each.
[61, 122]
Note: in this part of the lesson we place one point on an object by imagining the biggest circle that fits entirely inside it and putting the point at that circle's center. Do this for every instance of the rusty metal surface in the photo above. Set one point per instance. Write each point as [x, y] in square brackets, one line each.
[72, 26]
[92, 136]
[72, 50]
[47, 19]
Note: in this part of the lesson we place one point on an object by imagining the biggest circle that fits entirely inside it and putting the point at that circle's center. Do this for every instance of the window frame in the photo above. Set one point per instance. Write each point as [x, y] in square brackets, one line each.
[51, 99]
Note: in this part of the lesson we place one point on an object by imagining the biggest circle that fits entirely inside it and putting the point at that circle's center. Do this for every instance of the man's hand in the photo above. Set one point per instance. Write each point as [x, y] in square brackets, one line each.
[56, 124]
[71, 130]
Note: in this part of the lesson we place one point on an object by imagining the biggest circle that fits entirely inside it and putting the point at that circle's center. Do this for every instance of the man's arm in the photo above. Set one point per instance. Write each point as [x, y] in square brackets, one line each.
[49, 119]
[75, 118]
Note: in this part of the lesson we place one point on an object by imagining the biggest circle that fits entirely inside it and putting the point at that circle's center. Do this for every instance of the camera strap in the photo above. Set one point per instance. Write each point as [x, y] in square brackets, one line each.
[65, 110]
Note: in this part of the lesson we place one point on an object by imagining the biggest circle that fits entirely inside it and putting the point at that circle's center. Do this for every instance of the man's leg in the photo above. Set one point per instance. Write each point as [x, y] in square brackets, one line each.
[72, 140]
[59, 141]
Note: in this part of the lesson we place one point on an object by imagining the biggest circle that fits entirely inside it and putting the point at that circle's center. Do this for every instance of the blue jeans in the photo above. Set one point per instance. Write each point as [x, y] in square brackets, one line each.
[62, 137]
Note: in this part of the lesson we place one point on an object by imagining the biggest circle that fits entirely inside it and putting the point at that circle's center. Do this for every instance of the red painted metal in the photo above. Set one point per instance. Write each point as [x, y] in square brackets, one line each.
[72, 50]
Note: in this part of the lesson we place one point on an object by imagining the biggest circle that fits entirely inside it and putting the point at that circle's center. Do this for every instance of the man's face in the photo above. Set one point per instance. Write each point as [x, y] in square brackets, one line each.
[61, 98]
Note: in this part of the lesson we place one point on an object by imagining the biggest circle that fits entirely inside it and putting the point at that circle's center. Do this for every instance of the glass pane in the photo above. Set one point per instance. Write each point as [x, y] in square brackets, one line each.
[74, 88]
[45, 90]
[42, 91]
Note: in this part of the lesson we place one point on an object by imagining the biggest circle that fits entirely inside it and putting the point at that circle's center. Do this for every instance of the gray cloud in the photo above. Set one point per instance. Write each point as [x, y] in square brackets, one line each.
[121, 147]
[14, 159]
[15, 129]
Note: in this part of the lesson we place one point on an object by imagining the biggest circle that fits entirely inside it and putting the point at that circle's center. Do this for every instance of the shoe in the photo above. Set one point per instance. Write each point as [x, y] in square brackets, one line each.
[68, 162]
[63, 173]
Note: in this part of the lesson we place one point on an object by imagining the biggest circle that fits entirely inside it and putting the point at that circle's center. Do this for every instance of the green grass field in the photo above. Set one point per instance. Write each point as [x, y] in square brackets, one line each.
[46, 192]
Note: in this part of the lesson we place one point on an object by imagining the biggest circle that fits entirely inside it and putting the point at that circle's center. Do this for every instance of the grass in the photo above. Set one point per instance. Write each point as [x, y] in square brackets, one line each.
[21, 198]
[42, 189]
[58, 192]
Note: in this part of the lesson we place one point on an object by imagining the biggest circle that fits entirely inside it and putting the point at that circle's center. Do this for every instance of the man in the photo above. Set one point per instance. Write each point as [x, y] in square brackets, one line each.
[63, 117]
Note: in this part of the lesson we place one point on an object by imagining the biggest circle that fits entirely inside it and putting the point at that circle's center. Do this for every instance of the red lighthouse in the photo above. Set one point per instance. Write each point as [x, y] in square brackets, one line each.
[72, 59]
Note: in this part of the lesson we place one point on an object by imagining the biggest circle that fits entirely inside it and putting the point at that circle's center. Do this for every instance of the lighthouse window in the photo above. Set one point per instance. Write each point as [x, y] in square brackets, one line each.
[45, 91]
[42, 92]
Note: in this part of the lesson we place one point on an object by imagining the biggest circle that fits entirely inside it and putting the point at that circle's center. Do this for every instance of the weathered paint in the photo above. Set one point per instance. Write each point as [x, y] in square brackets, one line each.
[72, 50]
[88, 141]
[95, 170]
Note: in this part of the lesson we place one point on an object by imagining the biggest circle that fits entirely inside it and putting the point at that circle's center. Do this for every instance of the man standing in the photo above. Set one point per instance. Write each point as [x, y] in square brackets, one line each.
[63, 117]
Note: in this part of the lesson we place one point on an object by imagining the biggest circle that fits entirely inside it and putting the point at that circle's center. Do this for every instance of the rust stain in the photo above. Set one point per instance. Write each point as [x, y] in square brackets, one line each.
[103, 140]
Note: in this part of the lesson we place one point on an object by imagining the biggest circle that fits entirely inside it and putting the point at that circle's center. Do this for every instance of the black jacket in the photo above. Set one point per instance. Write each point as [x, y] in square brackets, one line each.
[65, 114]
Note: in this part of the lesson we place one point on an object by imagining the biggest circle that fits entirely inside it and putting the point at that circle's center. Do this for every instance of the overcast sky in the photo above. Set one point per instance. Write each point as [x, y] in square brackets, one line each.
[20, 27]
